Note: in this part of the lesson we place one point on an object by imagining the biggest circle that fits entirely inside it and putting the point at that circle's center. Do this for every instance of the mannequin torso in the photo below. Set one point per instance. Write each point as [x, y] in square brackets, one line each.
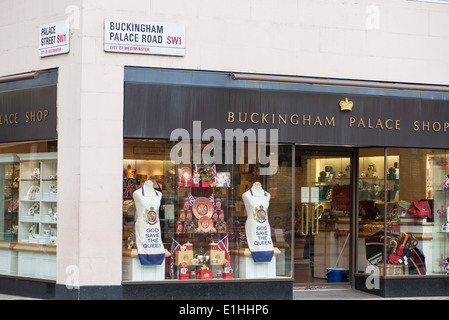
[257, 227]
[148, 235]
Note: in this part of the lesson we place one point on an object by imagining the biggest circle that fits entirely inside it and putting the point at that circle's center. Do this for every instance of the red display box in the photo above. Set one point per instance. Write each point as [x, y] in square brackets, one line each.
[206, 183]
[227, 275]
[204, 274]
[183, 276]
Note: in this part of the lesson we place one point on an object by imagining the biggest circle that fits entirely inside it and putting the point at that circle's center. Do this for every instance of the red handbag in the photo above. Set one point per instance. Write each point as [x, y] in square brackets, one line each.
[420, 209]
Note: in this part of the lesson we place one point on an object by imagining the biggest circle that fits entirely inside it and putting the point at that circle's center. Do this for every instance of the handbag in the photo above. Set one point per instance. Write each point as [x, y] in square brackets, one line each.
[420, 209]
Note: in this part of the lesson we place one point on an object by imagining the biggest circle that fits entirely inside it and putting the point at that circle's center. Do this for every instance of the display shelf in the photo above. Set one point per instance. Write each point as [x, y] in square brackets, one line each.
[9, 174]
[38, 198]
[201, 238]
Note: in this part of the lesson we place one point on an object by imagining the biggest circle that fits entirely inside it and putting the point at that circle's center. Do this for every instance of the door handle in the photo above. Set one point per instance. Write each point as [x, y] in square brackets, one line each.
[310, 214]
[304, 220]
[316, 214]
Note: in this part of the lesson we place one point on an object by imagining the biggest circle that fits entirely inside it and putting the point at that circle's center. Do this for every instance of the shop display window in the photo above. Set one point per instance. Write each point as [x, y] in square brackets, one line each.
[403, 213]
[28, 209]
[203, 221]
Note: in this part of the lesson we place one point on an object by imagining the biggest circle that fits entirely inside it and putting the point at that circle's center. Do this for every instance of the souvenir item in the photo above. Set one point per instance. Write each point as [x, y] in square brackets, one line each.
[215, 216]
[221, 215]
[34, 209]
[189, 215]
[202, 207]
[205, 172]
[36, 174]
[204, 274]
[32, 193]
[150, 248]
[220, 226]
[129, 186]
[218, 204]
[205, 224]
[189, 227]
[183, 267]
[179, 228]
[420, 209]
[181, 215]
[53, 240]
[227, 270]
[185, 175]
[188, 246]
[196, 177]
[445, 183]
[223, 179]
[186, 204]
[257, 227]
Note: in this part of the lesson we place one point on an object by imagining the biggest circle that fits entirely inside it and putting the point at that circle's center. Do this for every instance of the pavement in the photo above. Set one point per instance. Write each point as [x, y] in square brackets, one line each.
[312, 294]
[349, 294]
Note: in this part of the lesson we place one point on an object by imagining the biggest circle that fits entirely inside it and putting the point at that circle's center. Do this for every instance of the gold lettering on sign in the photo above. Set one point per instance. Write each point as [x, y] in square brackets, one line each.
[282, 119]
[12, 118]
[36, 116]
[294, 122]
[252, 120]
[240, 118]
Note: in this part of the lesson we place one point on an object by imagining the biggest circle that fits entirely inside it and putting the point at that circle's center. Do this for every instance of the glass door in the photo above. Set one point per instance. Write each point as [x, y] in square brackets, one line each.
[323, 211]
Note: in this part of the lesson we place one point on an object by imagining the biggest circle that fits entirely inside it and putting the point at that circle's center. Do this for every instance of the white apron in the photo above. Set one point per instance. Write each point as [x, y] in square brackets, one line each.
[257, 228]
[150, 248]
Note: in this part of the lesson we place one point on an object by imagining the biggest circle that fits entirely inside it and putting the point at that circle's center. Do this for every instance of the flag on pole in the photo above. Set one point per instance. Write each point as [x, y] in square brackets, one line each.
[214, 173]
[212, 199]
[191, 199]
[224, 246]
[174, 247]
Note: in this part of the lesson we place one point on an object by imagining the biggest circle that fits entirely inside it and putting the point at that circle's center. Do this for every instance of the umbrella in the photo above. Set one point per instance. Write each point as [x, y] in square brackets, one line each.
[374, 245]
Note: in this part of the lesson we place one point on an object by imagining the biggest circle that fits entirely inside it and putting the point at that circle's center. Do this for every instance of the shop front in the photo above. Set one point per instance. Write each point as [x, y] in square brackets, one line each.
[247, 189]
[28, 180]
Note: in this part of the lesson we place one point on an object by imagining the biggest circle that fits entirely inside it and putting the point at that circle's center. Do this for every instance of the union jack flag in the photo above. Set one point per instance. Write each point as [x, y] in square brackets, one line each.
[129, 186]
[446, 183]
[214, 174]
[174, 247]
[224, 246]
[191, 199]
[212, 199]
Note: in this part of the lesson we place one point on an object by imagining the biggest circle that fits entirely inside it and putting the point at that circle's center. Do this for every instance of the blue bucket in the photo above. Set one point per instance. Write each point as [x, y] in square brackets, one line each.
[337, 275]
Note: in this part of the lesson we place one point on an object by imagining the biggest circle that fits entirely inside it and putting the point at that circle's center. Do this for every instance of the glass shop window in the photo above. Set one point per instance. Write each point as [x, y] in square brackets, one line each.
[414, 210]
[28, 209]
[209, 220]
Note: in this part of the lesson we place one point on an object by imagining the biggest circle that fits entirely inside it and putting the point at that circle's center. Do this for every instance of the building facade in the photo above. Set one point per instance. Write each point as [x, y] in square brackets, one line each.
[335, 111]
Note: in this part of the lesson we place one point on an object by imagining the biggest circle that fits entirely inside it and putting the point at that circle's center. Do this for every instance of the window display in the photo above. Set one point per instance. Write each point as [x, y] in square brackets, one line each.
[200, 221]
[28, 210]
[413, 207]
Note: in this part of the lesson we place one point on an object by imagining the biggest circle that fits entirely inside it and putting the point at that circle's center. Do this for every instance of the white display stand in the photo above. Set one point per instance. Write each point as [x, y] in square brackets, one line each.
[45, 227]
[133, 270]
[36, 265]
[248, 269]
[8, 261]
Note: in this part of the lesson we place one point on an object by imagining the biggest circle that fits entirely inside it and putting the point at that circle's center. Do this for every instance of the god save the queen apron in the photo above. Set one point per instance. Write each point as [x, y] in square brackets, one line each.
[257, 228]
[150, 248]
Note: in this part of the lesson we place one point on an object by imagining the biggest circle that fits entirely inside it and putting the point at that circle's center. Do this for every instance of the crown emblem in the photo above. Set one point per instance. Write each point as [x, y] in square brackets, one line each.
[346, 105]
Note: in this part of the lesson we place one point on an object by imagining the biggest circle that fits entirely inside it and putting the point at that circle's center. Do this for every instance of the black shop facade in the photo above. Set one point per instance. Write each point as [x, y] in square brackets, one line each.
[353, 179]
